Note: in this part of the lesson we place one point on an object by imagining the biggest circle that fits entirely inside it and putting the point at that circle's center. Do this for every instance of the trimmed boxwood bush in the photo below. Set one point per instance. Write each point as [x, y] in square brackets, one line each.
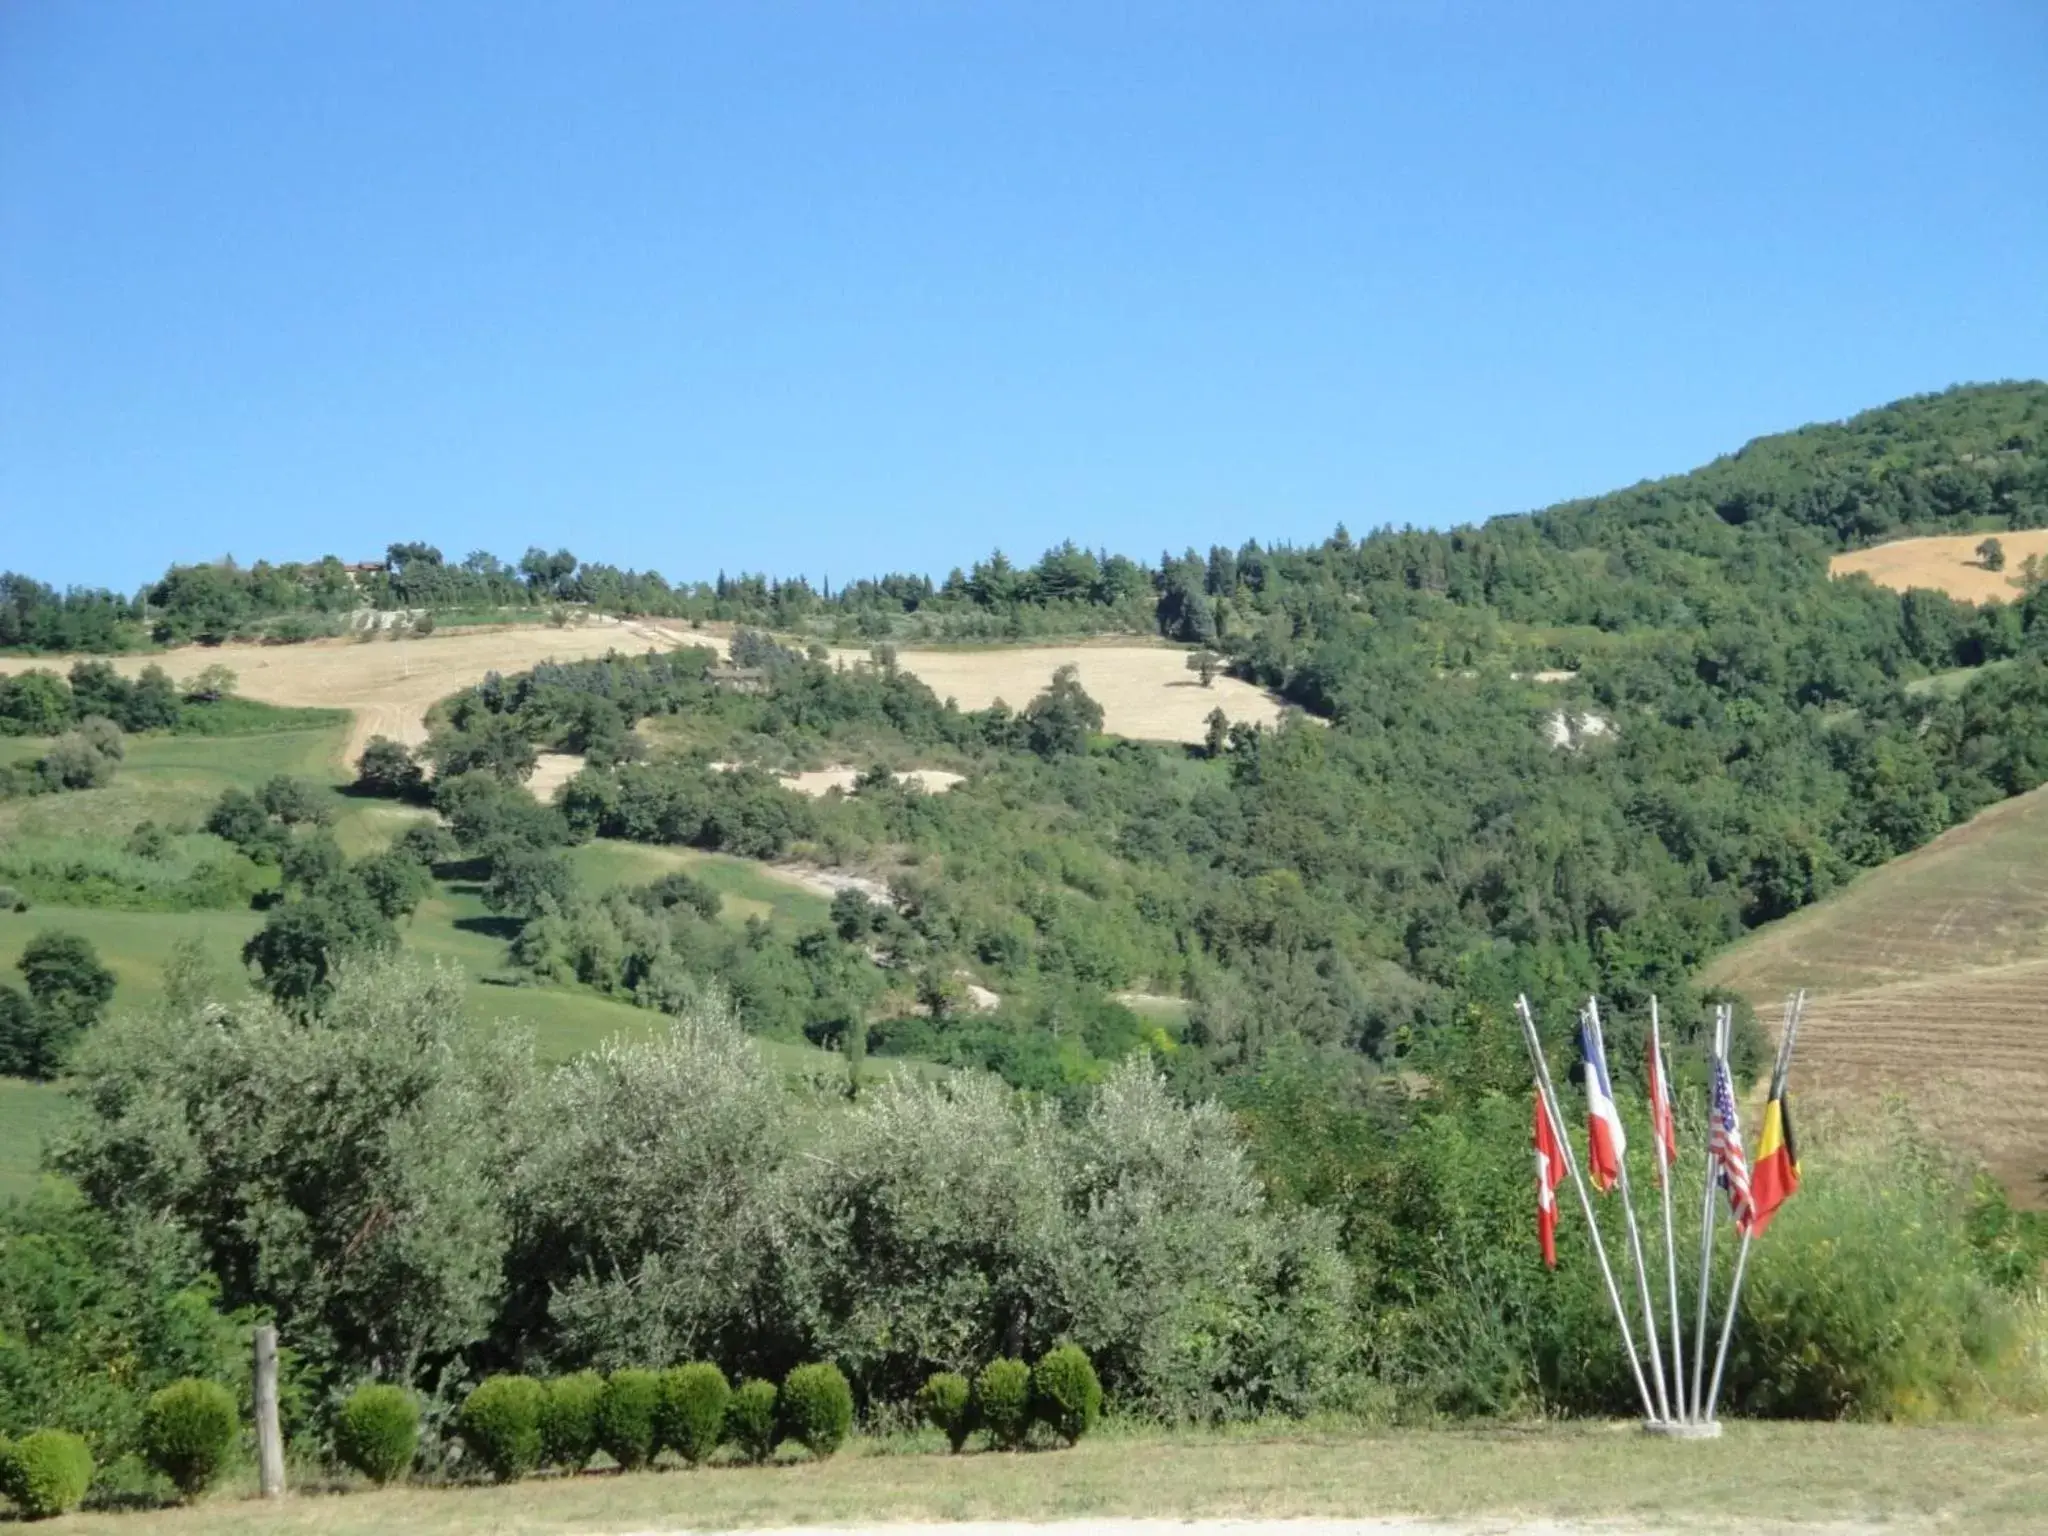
[568, 1420]
[817, 1407]
[500, 1425]
[1065, 1392]
[691, 1416]
[45, 1473]
[1002, 1401]
[188, 1431]
[625, 1417]
[945, 1401]
[377, 1431]
[750, 1420]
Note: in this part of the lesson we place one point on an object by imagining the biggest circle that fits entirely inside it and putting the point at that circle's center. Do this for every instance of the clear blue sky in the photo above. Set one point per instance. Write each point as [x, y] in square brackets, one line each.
[839, 288]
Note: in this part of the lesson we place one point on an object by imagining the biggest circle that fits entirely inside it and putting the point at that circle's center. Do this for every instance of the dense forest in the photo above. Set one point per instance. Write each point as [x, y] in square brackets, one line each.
[1253, 1121]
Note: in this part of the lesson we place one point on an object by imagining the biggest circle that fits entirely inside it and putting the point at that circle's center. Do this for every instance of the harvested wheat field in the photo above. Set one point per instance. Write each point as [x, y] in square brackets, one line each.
[388, 684]
[1946, 562]
[1929, 976]
[1145, 691]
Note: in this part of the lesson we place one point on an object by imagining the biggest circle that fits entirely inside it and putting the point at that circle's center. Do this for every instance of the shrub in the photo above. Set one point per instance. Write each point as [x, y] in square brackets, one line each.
[817, 1407]
[500, 1425]
[625, 1417]
[377, 1431]
[1065, 1392]
[568, 1420]
[750, 1420]
[1002, 1401]
[45, 1473]
[691, 1415]
[944, 1401]
[188, 1429]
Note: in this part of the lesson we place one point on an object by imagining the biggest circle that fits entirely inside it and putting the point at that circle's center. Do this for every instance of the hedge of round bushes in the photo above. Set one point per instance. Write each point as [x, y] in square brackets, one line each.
[511, 1426]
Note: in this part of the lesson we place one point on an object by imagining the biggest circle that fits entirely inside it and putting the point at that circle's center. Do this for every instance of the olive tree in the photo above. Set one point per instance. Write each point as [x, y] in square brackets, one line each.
[344, 1171]
[929, 1232]
[646, 1197]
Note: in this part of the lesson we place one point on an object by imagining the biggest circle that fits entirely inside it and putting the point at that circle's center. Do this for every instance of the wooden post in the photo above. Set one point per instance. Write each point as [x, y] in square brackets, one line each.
[269, 1441]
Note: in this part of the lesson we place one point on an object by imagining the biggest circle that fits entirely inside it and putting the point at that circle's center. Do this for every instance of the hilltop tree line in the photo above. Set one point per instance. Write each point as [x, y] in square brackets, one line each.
[1969, 459]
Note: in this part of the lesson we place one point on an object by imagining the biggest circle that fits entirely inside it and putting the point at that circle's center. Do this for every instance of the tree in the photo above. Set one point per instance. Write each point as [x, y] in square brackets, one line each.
[1216, 736]
[394, 881]
[74, 761]
[853, 915]
[293, 801]
[33, 1042]
[311, 863]
[386, 768]
[211, 684]
[1991, 555]
[303, 943]
[34, 704]
[1205, 663]
[526, 882]
[152, 703]
[345, 1172]
[65, 977]
[1060, 720]
[495, 745]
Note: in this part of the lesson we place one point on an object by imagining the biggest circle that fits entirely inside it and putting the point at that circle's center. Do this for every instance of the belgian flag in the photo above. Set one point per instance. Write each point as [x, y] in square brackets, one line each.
[1775, 1178]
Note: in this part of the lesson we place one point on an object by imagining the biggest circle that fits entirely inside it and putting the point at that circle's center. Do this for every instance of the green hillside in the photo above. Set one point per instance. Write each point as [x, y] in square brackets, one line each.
[1244, 1106]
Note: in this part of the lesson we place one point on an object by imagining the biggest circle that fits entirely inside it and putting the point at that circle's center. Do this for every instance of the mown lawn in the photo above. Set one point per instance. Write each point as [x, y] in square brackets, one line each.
[1982, 1479]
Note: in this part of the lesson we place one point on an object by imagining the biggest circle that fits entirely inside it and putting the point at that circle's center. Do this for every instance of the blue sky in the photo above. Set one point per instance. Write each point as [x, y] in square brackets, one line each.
[845, 288]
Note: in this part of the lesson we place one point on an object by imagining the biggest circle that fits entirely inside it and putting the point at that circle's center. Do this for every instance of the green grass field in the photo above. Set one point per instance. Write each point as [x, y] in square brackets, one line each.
[29, 1112]
[1841, 1478]
[174, 780]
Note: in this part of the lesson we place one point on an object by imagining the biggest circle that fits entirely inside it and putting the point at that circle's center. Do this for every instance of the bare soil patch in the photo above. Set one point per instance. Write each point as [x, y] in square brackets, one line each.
[551, 770]
[387, 684]
[1929, 976]
[1946, 562]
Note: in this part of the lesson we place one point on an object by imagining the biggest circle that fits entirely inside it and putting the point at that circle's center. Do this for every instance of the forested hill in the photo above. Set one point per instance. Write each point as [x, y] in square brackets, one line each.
[1762, 520]
[1578, 750]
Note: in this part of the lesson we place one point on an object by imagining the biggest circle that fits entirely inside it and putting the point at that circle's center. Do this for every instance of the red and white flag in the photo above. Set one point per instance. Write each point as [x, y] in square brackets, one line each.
[1549, 1174]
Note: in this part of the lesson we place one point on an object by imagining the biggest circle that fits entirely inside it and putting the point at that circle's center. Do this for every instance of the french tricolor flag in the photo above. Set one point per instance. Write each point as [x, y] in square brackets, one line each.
[1605, 1140]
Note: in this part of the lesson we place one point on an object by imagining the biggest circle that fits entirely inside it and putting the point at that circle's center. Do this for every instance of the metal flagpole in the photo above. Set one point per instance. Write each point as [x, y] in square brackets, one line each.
[1635, 1238]
[1571, 1162]
[1665, 1170]
[1794, 1007]
[1699, 1334]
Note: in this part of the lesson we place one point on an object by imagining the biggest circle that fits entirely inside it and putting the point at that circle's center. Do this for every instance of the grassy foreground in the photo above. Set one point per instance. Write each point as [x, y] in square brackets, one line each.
[1977, 1478]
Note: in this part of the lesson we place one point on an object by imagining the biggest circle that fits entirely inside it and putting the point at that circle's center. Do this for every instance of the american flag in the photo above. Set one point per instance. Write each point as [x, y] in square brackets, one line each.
[1724, 1148]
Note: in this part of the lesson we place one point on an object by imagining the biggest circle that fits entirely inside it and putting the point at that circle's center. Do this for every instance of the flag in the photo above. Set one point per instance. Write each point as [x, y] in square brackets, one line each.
[1605, 1140]
[1549, 1174]
[1777, 1157]
[1724, 1150]
[1663, 1129]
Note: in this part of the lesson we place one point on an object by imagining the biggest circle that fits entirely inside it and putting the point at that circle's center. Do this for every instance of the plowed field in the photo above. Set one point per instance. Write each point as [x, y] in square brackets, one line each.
[1929, 976]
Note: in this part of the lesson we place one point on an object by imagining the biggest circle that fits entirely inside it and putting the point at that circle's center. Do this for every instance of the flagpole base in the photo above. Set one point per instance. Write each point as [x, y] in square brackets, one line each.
[1683, 1429]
